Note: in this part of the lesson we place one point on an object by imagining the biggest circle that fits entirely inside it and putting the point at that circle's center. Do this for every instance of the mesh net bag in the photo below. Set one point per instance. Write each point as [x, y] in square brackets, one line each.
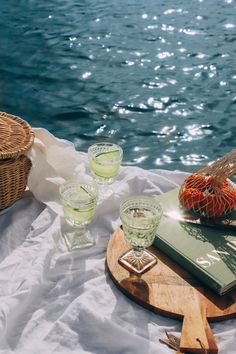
[209, 191]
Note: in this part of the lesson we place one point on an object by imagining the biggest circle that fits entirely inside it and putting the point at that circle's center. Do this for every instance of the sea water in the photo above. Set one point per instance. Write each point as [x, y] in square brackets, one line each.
[156, 77]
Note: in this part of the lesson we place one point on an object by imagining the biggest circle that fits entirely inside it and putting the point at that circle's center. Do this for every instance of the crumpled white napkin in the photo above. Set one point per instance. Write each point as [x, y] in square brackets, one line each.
[54, 161]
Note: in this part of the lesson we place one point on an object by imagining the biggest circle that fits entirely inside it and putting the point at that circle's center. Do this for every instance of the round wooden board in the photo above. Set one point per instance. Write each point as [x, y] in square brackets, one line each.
[169, 290]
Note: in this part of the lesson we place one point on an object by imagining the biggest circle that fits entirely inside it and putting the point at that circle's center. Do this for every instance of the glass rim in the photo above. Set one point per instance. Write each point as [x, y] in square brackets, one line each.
[90, 199]
[106, 143]
[154, 205]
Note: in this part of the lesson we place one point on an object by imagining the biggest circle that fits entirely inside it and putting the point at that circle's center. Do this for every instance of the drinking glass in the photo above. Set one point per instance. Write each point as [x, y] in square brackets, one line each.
[79, 200]
[140, 216]
[104, 161]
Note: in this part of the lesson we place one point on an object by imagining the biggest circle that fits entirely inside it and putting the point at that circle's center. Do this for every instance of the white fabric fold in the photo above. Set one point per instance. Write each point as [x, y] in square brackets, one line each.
[53, 162]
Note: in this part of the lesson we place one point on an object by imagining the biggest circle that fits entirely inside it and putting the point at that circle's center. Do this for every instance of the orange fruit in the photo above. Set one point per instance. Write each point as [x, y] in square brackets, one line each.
[213, 206]
[228, 196]
[196, 180]
[219, 203]
[191, 198]
[214, 184]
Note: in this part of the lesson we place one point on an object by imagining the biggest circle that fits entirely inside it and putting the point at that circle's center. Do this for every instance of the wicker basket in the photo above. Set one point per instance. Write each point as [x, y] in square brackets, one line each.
[16, 138]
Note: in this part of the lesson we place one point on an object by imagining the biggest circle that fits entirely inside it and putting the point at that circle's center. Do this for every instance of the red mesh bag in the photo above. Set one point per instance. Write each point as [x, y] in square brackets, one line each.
[209, 191]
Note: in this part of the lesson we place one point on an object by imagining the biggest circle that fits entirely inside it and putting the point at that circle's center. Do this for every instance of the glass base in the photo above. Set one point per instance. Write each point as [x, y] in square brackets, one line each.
[138, 265]
[78, 239]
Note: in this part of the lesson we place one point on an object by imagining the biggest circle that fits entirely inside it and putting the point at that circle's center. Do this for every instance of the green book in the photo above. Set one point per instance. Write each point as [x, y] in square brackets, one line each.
[207, 252]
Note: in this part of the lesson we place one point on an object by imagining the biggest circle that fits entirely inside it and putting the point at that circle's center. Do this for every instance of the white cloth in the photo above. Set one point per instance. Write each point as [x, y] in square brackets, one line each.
[53, 162]
[54, 301]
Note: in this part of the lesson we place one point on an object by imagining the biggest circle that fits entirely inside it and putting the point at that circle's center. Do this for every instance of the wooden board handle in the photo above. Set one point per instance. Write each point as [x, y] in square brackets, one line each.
[197, 336]
[167, 289]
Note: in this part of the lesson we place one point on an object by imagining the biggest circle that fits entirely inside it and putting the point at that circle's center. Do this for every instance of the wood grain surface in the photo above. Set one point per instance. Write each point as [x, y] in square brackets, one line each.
[169, 290]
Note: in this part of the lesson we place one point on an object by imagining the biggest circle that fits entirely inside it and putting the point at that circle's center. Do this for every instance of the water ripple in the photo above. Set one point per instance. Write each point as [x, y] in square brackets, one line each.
[158, 78]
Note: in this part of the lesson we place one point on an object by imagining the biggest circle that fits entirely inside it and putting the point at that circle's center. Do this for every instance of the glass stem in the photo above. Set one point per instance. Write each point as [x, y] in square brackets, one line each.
[80, 230]
[138, 252]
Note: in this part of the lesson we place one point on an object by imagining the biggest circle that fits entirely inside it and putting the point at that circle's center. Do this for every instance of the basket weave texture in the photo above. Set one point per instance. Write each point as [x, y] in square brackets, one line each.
[16, 138]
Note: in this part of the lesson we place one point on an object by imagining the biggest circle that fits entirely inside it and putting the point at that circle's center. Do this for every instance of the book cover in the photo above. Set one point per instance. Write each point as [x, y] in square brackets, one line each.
[207, 252]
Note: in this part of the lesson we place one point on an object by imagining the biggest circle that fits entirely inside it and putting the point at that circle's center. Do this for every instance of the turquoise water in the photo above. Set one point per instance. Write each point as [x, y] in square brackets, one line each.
[156, 77]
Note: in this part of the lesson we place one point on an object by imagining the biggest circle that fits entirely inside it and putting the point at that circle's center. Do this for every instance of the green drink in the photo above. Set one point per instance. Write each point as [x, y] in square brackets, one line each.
[139, 225]
[140, 216]
[79, 203]
[104, 161]
[79, 200]
[78, 216]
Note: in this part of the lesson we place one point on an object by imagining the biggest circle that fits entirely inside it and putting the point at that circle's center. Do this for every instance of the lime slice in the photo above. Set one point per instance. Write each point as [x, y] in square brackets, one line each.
[79, 216]
[108, 155]
[84, 191]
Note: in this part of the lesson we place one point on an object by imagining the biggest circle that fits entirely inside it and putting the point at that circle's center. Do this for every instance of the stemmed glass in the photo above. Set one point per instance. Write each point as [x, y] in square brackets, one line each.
[140, 216]
[104, 161]
[79, 200]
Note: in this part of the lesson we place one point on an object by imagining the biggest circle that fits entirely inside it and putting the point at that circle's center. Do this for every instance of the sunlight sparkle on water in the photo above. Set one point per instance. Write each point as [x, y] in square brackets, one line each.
[165, 99]
[201, 55]
[164, 55]
[140, 159]
[186, 69]
[167, 28]
[171, 11]
[229, 25]
[101, 129]
[189, 32]
[86, 74]
[193, 159]
[164, 159]
[167, 130]
[156, 104]
[196, 131]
